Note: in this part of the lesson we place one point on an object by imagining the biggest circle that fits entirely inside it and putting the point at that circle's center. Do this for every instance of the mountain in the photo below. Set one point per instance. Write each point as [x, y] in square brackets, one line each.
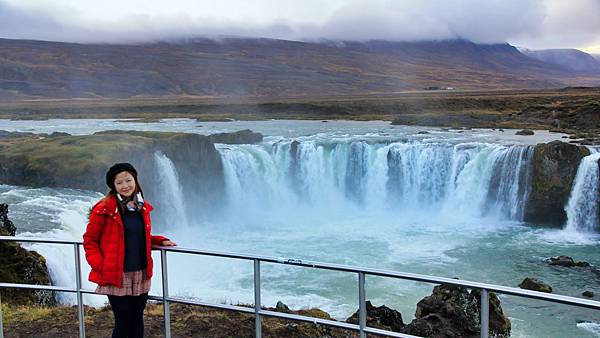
[573, 59]
[266, 68]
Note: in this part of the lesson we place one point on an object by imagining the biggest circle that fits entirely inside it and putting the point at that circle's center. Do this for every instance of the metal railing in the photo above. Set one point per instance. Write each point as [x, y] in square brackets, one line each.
[258, 311]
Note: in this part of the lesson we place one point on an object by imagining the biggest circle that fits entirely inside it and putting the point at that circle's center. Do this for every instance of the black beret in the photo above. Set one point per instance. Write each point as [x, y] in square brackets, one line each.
[116, 169]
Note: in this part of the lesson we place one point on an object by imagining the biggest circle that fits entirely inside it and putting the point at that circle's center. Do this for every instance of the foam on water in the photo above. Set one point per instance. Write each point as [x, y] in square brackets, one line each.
[590, 327]
[445, 203]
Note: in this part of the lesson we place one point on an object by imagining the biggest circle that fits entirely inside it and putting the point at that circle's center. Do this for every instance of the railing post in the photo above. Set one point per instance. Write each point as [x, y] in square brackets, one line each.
[80, 317]
[485, 313]
[257, 301]
[362, 313]
[1, 326]
[165, 293]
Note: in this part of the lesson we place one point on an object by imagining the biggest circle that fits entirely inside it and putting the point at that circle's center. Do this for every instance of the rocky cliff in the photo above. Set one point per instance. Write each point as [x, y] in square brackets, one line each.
[554, 169]
[21, 266]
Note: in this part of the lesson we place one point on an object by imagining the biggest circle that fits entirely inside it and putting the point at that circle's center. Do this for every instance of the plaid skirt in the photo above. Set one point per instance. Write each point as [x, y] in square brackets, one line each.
[135, 283]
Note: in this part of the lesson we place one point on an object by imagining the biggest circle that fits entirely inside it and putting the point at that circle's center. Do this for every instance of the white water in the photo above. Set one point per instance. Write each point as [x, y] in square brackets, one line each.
[170, 188]
[329, 179]
[444, 204]
[582, 209]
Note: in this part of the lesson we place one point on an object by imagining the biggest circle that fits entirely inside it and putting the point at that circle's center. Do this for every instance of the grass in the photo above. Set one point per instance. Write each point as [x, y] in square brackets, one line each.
[21, 313]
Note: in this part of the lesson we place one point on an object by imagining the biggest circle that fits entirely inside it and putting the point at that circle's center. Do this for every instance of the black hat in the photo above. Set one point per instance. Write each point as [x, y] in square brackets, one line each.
[116, 169]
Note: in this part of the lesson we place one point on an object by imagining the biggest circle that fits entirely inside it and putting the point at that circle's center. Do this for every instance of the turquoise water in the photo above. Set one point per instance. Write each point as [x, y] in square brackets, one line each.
[443, 238]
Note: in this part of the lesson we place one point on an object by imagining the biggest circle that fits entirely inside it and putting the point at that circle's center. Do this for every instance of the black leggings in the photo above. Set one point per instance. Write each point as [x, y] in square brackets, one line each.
[129, 315]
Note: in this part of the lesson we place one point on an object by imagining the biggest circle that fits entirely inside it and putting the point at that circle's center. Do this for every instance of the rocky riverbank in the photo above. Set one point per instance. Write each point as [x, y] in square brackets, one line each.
[447, 312]
[22, 266]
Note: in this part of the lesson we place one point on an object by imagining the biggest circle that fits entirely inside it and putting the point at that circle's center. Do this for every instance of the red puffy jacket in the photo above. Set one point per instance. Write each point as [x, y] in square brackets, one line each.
[104, 242]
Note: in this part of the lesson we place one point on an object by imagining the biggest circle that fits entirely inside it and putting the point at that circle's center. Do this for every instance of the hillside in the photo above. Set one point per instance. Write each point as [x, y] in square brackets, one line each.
[266, 68]
[570, 58]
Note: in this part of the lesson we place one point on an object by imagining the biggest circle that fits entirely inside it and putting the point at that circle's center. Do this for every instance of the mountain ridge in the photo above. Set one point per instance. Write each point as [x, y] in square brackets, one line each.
[241, 67]
[573, 59]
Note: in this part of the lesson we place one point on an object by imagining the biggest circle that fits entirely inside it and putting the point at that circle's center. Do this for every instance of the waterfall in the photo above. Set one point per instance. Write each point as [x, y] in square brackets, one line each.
[173, 203]
[322, 178]
[582, 208]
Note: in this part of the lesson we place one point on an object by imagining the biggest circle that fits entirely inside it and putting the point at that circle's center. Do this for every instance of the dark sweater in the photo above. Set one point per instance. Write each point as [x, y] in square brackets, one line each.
[135, 241]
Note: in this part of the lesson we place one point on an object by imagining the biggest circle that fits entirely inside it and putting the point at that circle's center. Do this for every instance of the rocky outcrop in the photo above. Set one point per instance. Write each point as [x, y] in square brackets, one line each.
[535, 285]
[525, 132]
[245, 136]
[381, 317]
[566, 261]
[554, 168]
[21, 266]
[7, 228]
[453, 311]
[450, 311]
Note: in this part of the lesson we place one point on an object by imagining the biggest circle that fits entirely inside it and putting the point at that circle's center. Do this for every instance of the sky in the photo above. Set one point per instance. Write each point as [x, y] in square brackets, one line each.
[533, 24]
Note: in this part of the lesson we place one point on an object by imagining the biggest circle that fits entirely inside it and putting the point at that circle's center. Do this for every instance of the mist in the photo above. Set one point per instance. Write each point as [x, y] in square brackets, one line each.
[532, 24]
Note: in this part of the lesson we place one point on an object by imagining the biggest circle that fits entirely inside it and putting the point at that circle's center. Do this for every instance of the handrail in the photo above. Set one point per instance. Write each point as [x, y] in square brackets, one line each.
[259, 311]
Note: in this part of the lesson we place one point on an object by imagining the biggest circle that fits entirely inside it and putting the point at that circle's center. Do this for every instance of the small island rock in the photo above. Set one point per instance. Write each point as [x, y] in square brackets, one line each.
[535, 285]
[525, 132]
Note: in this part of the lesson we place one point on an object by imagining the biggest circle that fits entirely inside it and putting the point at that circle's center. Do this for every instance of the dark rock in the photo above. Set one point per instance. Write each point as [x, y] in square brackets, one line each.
[381, 317]
[22, 267]
[588, 294]
[281, 307]
[535, 285]
[566, 261]
[58, 134]
[7, 228]
[423, 132]
[525, 132]
[245, 136]
[453, 311]
[554, 167]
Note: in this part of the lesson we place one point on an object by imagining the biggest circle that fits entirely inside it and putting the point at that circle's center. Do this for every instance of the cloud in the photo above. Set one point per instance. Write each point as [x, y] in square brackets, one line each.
[533, 23]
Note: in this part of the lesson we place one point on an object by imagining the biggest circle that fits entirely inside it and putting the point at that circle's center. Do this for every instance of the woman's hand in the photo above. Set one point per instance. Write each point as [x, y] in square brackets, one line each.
[168, 243]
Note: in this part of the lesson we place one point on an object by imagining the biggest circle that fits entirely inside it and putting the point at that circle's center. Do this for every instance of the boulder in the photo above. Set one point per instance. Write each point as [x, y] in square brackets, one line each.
[7, 228]
[535, 285]
[525, 132]
[245, 136]
[381, 317]
[282, 307]
[453, 311]
[588, 294]
[566, 261]
[21, 266]
[554, 168]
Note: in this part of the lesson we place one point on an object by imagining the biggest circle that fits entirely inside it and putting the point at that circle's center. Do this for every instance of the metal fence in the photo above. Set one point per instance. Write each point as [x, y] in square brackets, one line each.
[258, 312]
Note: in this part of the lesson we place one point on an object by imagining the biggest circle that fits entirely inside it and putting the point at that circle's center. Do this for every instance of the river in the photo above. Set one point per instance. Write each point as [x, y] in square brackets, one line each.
[414, 199]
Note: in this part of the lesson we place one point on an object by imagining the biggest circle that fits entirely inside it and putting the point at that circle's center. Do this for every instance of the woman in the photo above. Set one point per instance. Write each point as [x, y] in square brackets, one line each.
[117, 243]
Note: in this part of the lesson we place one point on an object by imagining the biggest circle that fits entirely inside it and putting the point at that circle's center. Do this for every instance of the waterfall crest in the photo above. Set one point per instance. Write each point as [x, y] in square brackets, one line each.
[470, 179]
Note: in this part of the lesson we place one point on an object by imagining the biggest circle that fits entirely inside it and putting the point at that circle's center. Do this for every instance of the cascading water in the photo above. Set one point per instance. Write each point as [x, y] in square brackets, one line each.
[472, 179]
[582, 209]
[168, 181]
[353, 195]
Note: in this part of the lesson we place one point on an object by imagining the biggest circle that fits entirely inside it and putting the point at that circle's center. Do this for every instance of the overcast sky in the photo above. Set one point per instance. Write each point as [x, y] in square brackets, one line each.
[534, 24]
